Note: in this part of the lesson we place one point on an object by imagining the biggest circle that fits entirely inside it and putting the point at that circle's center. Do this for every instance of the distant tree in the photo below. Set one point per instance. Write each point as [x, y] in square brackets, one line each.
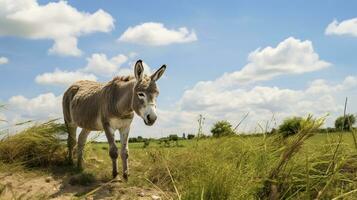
[173, 137]
[345, 123]
[140, 139]
[133, 140]
[190, 136]
[222, 128]
[290, 126]
[183, 136]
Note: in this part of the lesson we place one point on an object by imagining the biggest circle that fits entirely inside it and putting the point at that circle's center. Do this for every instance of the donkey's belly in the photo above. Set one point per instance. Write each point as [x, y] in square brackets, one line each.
[92, 125]
[96, 125]
[117, 123]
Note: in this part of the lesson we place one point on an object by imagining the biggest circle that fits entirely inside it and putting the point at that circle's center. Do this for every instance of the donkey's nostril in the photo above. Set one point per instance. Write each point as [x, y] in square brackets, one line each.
[150, 119]
[153, 118]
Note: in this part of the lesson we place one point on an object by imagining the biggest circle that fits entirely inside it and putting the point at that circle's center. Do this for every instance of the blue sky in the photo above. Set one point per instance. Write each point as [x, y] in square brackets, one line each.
[226, 33]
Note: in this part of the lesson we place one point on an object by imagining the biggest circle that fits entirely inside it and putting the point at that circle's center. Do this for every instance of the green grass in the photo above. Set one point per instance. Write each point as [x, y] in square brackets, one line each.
[313, 166]
[237, 167]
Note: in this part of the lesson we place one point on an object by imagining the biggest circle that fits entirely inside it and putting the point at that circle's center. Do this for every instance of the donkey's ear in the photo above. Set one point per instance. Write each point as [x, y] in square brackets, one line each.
[155, 76]
[139, 70]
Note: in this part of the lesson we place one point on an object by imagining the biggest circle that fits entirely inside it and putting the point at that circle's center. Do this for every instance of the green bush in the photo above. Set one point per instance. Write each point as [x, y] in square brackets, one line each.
[190, 136]
[345, 123]
[173, 137]
[222, 128]
[146, 143]
[290, 126]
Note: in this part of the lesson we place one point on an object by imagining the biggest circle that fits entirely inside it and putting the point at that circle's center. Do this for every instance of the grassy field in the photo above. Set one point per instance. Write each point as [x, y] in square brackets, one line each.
[237, 167]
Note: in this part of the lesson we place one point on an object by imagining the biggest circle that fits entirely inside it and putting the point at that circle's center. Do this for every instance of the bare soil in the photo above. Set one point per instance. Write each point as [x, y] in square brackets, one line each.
[31, 185]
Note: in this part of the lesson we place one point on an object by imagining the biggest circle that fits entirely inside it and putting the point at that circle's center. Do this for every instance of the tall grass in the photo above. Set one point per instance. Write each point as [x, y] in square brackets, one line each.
[38, 145]
[257, 168]
[304, 166]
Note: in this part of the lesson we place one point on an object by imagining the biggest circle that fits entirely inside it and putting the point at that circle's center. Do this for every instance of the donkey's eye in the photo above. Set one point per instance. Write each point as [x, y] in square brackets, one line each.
[141, 95]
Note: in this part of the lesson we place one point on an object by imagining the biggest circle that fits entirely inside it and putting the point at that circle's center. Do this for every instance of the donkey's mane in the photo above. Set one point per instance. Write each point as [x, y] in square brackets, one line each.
[123, 78]
[118, 80]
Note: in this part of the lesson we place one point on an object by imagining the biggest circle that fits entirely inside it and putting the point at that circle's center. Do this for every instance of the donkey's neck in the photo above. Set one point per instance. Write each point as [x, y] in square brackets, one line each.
[119, 97]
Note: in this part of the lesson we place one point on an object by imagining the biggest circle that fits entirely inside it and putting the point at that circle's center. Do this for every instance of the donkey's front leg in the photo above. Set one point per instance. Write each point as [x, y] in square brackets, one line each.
[124, 133]
[113, 150]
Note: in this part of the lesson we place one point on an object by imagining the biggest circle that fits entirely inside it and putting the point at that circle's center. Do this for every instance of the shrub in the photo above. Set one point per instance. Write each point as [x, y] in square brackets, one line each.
[290, 126]
[190, 136]
[140, 139]
[146, 143]
[133, 140]
[222, 128]
[345, 123]
[173, 137]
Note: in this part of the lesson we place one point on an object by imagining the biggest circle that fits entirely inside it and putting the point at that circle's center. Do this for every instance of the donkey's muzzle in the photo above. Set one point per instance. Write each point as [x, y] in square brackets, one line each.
[150, 119]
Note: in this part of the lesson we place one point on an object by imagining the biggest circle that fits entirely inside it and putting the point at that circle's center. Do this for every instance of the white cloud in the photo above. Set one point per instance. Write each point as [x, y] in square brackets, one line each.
[291, 56]
[63, 78]
[229, 98]
[56, 21]
[3, 60]
[65, 46]
[156, 34]
[319, 98]
[98, 63]
[346, 27]
[42, 107]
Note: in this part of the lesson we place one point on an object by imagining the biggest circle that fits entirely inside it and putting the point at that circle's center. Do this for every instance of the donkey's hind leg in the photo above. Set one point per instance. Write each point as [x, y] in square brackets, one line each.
[71, 141]
[82, 138]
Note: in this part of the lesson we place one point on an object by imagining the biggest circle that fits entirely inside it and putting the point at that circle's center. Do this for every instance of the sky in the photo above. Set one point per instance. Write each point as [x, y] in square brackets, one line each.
[271, 59]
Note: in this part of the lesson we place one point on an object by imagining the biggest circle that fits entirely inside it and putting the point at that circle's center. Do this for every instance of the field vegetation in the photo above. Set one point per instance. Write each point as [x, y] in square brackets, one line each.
[305, 165]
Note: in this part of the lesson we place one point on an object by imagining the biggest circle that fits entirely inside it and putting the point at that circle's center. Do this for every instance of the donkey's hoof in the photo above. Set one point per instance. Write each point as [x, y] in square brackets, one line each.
[125, 177]
[114, 174]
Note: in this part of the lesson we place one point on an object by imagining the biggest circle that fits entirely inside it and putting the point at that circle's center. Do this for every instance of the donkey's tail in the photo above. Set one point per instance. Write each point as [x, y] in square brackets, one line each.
[67, 116]
[66, 103]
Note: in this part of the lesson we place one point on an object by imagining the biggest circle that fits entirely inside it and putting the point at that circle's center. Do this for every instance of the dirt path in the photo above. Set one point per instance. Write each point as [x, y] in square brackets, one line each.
[30, 185]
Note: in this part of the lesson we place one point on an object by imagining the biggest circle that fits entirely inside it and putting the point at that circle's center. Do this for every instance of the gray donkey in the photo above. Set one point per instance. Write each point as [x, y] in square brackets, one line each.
[95, 106]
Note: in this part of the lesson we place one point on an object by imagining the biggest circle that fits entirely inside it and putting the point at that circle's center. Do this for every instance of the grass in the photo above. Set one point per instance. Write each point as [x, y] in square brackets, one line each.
[305, 166]
[38, 145]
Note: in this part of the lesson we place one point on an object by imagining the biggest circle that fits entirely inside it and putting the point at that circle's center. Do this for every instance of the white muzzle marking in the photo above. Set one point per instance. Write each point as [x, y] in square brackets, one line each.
[149, 114]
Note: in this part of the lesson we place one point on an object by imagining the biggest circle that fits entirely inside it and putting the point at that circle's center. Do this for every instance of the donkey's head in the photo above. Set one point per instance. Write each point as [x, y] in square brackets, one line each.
[145, 93]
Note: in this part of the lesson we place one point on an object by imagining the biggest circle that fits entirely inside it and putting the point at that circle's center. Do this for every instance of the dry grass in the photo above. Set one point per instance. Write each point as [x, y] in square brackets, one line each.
[38, 145]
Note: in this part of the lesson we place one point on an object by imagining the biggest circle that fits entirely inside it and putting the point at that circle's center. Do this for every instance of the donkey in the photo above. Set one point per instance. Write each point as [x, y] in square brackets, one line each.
[94, 106]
